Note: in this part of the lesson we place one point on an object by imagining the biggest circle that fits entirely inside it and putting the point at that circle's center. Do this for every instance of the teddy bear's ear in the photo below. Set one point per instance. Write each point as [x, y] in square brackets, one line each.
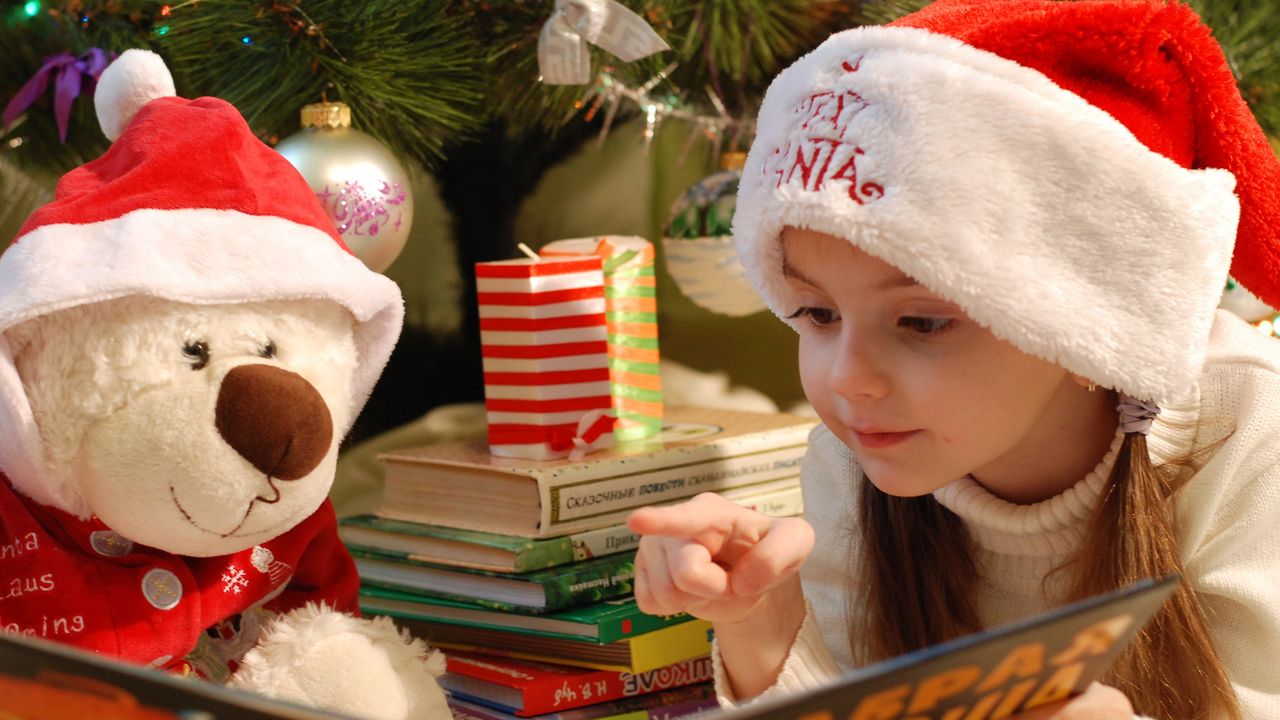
[134, 79]
[21, 336]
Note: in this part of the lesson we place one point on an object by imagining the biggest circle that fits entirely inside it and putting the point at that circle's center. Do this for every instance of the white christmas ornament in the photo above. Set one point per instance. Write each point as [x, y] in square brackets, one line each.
[363, 187]
[698, 248]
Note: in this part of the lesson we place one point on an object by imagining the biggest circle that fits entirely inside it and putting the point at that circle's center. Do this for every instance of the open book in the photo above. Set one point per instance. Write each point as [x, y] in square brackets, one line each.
[41, 680]
[987, 675]
[991, 674]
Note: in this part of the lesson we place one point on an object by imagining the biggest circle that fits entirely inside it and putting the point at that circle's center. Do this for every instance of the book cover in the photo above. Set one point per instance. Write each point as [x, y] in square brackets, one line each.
[663, 705]
[442, 545]
[698, 450]
[527, 688]
[601, 622]
[635, 654]
[42, 680]
[539, 591]
[454, 546]
[991, 674]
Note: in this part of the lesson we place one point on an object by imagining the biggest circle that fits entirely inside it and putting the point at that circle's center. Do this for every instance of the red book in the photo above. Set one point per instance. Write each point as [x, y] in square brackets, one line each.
[525, 687]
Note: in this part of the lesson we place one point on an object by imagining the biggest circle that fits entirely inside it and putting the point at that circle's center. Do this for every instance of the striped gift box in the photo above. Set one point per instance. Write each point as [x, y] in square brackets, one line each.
[632, 312]
[545, 355]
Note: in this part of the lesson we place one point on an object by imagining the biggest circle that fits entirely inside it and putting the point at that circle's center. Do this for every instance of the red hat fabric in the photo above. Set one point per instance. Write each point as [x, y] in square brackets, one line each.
[188, 205]
[185, 154]
[1066, 172]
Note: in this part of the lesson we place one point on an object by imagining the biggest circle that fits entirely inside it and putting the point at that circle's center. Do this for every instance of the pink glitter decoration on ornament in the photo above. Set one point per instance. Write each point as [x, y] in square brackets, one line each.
[359, 212]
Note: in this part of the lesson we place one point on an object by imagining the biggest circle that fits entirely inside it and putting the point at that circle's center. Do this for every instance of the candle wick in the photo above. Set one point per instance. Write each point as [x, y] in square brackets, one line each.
[528, 251]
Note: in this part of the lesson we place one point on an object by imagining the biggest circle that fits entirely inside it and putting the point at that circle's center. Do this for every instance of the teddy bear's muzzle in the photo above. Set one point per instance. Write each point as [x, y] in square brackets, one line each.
[275, 419]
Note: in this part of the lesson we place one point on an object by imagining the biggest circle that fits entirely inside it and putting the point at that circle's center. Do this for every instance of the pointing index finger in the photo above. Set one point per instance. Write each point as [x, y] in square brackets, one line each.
[683, 521]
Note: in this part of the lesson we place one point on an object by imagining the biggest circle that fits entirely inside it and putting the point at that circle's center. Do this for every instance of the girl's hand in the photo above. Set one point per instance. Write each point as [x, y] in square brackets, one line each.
[1099, 702]
[715, 559]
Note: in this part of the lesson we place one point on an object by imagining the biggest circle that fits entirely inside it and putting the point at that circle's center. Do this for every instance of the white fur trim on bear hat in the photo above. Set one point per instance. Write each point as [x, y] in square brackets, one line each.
[1041, 215]
[134, 79]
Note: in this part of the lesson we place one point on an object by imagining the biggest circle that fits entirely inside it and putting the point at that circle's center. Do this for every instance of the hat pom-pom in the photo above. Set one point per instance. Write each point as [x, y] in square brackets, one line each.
[135, 78]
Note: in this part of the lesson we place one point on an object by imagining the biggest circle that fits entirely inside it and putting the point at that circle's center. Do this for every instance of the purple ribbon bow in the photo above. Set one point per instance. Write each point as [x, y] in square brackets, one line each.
[69, 72]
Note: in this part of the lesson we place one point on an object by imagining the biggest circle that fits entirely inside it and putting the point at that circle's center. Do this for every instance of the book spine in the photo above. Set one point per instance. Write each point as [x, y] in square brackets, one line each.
[606, 501]
[556, 694]
[636, 624]
[602, 541]
[485, 603]
[677, 701]
[781, 502]
[669, 645]
[463, 710]
[582, 586]
[546, 553]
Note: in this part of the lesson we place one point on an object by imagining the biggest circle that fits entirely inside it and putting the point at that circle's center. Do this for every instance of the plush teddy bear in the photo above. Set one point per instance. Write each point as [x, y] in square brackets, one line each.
[184, 341]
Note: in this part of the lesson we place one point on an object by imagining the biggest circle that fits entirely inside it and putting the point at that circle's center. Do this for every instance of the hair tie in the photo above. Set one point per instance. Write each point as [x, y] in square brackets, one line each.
[1136, 415]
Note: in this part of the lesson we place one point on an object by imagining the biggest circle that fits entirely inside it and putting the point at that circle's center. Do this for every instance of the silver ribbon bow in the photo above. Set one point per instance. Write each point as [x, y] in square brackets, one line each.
[562, 46]
[1136, 415]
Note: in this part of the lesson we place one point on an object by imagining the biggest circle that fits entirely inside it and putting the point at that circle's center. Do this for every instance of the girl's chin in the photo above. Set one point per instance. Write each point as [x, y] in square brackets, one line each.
[904, 486]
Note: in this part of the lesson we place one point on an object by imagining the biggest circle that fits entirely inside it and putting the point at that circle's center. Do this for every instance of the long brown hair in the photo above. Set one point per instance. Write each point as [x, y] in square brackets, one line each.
[917, 579]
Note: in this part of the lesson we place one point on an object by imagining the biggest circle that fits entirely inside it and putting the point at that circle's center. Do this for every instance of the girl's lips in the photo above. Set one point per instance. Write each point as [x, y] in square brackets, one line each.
[875, 440]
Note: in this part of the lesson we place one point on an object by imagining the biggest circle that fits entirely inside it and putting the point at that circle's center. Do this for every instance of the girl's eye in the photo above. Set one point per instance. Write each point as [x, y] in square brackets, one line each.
[816, 315]
[925, 326]
[197, 354]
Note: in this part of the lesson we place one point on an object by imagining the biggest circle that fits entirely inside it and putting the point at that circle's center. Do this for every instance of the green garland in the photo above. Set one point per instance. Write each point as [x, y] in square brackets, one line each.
[408, 70]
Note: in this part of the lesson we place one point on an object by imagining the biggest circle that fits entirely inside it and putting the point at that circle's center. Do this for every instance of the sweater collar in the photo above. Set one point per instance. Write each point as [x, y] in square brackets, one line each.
[1056, 526]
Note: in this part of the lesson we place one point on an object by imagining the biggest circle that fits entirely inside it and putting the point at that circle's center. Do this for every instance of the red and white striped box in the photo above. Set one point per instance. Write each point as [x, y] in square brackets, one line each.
[545, 355]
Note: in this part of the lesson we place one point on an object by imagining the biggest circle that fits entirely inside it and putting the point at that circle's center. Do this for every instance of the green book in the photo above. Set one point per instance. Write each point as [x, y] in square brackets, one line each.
[602, 622]
[539, 591]
[441, 545]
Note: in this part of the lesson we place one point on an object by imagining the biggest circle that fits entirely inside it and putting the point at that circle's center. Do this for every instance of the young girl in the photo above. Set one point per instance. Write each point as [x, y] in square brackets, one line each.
[1001, 228]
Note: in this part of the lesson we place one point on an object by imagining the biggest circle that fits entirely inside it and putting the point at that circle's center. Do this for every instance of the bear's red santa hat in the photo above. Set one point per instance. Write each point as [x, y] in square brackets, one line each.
[1070, 173]
[187, 205]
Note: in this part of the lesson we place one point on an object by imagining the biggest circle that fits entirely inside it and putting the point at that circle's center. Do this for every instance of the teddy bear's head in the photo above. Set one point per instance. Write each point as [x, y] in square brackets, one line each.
[199, 430]
[184, 337]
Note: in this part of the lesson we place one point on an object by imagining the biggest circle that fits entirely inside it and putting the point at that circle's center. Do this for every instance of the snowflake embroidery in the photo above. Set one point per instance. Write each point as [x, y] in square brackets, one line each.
[233, 579]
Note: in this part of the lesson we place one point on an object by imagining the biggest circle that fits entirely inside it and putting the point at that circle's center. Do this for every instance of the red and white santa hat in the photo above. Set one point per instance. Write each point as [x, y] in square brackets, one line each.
[1075, 175]
[187, 205]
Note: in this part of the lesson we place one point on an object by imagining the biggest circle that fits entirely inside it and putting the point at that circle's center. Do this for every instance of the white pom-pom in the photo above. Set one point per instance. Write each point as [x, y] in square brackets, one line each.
[134, 79]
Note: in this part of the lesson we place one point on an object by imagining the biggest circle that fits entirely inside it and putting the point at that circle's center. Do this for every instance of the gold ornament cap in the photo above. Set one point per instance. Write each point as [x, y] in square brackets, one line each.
[733, 160]
[330, 115]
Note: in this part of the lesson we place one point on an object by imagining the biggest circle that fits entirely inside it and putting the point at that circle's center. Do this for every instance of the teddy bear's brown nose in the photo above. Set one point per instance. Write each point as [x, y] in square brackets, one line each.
[275, 419]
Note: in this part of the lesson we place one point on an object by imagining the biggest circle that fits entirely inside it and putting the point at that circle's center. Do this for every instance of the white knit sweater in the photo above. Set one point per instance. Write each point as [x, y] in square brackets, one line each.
[1228, 528]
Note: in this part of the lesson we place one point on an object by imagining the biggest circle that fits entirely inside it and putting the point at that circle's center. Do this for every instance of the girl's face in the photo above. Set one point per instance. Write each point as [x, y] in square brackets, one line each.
[920, 393]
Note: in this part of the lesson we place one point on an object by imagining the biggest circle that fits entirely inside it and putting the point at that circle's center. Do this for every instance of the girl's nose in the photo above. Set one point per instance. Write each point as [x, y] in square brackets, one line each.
[859, 368]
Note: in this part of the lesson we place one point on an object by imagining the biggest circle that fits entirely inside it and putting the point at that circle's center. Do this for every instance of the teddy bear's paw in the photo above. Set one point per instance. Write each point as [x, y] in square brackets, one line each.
[365, 668]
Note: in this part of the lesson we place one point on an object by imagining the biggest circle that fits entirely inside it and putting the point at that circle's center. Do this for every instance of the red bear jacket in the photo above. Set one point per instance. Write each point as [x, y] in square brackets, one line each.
[77, 582]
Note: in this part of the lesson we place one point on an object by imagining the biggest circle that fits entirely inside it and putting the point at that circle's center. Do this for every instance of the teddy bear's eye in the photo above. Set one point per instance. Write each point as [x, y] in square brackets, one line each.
[268, 350]
[198, 353]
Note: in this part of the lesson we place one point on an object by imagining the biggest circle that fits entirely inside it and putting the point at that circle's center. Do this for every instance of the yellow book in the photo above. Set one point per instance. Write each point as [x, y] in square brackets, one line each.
[635, 654]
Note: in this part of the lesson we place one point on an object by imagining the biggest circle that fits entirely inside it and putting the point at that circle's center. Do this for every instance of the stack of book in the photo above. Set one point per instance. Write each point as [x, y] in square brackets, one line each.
[523, 569]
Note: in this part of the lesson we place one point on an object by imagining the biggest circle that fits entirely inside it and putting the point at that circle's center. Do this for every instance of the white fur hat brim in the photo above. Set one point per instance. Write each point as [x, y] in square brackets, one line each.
[1041, 215]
